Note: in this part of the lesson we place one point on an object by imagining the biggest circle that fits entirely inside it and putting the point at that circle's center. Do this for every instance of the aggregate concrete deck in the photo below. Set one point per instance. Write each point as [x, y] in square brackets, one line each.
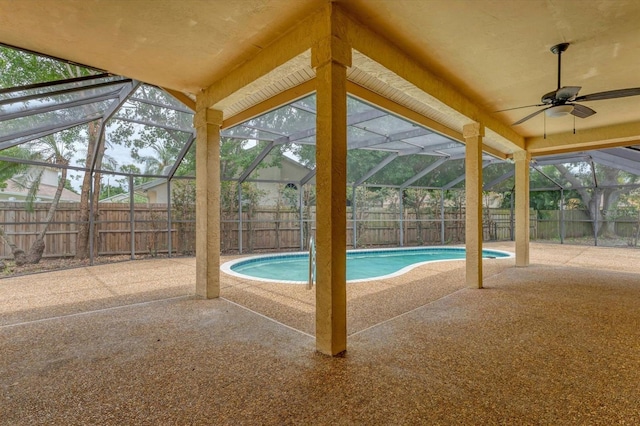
[555, 343]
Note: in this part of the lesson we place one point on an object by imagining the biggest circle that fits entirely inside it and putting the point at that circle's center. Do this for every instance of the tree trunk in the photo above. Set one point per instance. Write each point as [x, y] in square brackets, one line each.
[610, 197]
[609, 200]
[82, 243]
[19, 256]
[38, 246]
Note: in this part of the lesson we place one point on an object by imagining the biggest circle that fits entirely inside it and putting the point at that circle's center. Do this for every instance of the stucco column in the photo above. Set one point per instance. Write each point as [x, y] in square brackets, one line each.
[522, 160]
[330, 58]
[473, 134]
[207, 123]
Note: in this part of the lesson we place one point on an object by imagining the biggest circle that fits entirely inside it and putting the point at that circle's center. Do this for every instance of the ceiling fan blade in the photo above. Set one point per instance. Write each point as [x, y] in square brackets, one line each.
[582, 111]
[567, 93]
[522, 120]
[520, 107]
[611, 94]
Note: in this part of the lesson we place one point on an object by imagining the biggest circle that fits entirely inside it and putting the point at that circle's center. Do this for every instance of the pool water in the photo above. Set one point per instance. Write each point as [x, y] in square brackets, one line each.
[362, 265]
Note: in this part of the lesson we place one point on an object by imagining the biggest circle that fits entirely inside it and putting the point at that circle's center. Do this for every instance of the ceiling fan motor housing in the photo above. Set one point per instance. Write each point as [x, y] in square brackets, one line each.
[549, 98]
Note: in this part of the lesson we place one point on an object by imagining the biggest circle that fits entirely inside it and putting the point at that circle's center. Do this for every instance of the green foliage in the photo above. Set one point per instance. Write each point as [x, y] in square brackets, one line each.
[8, 169]
[183, 210]
[18, 69]
[69, 187]
[21, 68]
[153, 147]
[108, 190]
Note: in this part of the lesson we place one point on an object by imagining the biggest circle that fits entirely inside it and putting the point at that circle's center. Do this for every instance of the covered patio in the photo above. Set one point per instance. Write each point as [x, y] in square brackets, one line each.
[554, 343]
[339, 48]
[553, 336]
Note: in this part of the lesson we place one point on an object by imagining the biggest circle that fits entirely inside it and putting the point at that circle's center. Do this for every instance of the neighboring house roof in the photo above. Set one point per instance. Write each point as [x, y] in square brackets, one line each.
[46, 192]
[150, 185]
[118, 198]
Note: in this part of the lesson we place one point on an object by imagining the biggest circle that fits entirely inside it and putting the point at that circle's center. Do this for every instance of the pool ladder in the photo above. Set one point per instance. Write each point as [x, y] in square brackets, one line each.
[312, 263]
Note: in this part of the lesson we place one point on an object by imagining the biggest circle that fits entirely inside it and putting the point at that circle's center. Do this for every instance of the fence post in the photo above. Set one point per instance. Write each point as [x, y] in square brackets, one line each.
[353, 215]
[401, 221]
[300, 217]
[239, 218]
[442, 221]
[595, 219]
[169, 221]
[561, 216]
[91, 220]
[511, 216]
[132, 222]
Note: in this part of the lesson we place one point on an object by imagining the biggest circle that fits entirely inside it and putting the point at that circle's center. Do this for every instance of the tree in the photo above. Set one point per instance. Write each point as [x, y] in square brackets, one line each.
[600, 202]
[20, 68]
[8, 169]
[53, 149]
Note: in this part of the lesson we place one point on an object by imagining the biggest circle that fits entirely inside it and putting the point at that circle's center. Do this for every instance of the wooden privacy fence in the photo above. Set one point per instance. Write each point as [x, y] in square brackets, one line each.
[143, 229]
[115, 229]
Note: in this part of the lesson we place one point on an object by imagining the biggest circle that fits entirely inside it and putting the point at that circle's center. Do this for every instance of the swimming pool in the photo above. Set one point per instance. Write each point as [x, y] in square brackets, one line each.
[362, 265]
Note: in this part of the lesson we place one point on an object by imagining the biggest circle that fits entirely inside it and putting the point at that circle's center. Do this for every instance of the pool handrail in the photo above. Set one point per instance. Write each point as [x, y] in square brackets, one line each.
[312, 262]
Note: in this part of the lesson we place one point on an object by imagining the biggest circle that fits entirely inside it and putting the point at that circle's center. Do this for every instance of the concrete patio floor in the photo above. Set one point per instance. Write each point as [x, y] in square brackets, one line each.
[555, 343]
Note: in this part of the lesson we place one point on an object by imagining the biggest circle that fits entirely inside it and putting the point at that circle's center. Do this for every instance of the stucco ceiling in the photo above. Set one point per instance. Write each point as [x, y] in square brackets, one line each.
[495, 53]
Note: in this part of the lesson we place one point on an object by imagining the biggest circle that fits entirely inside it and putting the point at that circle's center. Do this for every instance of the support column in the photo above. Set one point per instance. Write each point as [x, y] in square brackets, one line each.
[330, 57]
[473, 134]
[207, 123]
[522, 159]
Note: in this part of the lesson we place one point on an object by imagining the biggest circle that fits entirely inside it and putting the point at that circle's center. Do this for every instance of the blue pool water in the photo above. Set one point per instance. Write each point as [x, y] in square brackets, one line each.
[361, 264]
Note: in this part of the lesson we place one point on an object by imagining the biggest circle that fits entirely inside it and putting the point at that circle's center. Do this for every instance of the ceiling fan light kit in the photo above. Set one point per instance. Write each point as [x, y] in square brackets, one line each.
[562, 101]
[559, 111]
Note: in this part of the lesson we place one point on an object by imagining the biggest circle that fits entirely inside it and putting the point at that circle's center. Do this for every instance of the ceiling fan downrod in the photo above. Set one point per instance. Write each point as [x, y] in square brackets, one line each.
[557, 50]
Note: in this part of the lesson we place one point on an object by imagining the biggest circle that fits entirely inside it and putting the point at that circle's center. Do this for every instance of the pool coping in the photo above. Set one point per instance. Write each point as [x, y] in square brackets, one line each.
[226, 267]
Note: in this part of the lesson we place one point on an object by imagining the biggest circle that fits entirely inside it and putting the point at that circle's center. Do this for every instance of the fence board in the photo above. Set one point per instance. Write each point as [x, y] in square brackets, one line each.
[272, 229]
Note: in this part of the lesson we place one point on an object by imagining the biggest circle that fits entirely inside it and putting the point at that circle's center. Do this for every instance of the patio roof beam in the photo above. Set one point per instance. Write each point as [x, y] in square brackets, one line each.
[54, 83]
[431, 167]
[181, 155]
[549, 178]
[244, 138]
[607, 159]
[76, 168]
[308, 177]
[593, 172]
[40, 132]
[459, 179]
[256, 161]
[435, 150]
[62, 91]
[124, 94]
[303, 134]
[148, 123]
[362, 117]
[629, 153]
[297, 136]
[303, 108]
[414, 133]
[376, 169]
[418, 151]
[161, 105]
[582, 157]
[261, 129]
[55, 107]
[382, 51]
[500, 179]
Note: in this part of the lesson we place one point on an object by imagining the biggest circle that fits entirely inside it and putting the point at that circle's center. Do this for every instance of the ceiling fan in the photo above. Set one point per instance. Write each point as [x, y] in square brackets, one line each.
[562, 101]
